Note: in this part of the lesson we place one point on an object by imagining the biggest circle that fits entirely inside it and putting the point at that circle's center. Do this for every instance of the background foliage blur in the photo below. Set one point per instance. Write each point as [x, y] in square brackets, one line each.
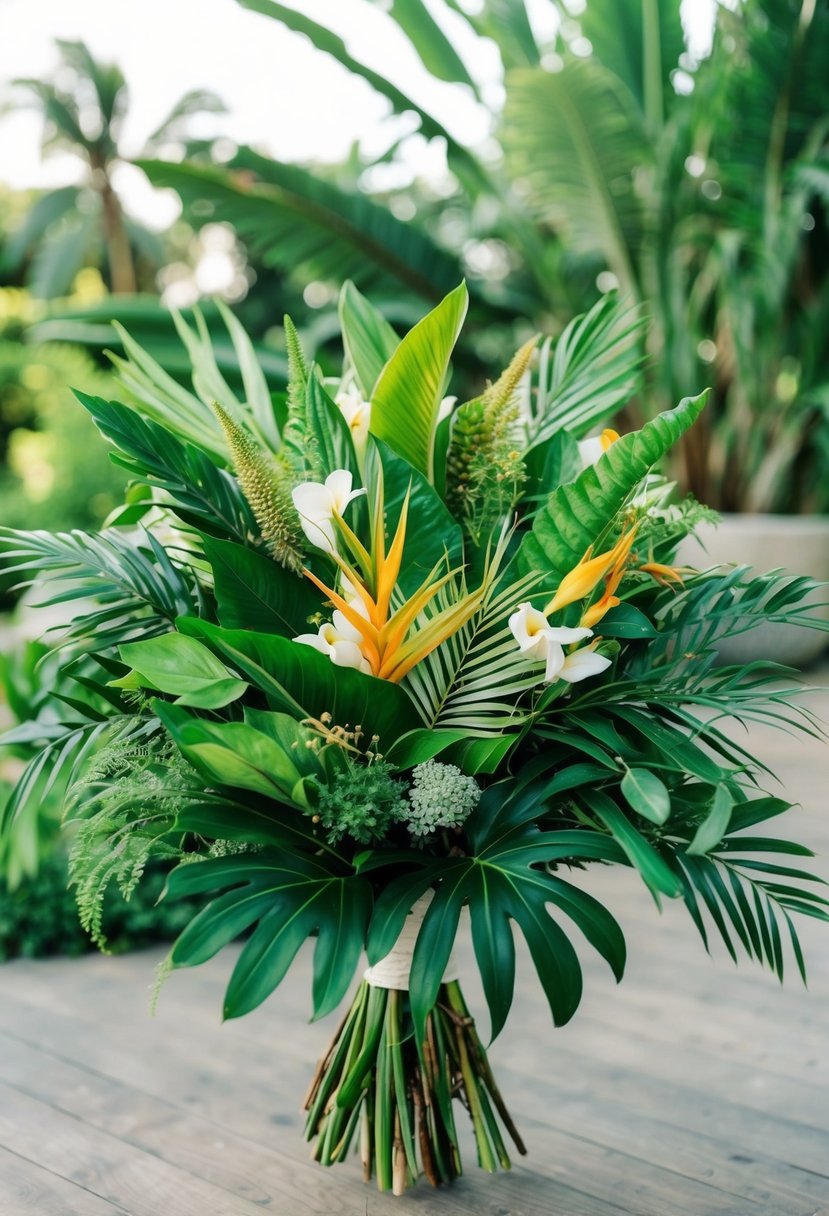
[696, 184]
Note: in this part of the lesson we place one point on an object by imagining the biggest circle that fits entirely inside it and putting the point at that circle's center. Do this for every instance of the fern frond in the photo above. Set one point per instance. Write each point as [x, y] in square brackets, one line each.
[124, 805]
[268, 491]
[293, 433]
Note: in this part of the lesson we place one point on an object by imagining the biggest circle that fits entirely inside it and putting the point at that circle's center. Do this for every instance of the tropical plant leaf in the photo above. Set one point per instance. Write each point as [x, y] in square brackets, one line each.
[593, 371]
[288, 899]
[368, 338]
[501, 882]
[576, 138]
[577, 515]
[135, 588]
[406, 399]
[298, 222]
[304, 683]
[182, 667]
[203, 495]
[254, 592]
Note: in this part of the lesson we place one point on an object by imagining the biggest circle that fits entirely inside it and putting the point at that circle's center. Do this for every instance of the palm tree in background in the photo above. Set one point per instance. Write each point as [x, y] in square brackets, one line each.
[84, 107]
[700, 184]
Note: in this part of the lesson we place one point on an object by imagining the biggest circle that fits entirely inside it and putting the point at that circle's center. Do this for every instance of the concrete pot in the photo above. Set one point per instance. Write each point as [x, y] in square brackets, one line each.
[798, 544]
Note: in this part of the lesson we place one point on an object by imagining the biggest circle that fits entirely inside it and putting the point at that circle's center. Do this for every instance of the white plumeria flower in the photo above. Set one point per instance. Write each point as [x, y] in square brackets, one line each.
[357, 413]
[318, 502]
[538, 639]
[581, 664]
[340, 641]
[590, 450]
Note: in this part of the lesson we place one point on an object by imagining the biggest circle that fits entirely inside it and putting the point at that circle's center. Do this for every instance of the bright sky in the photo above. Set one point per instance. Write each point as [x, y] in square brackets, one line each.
[283, 96]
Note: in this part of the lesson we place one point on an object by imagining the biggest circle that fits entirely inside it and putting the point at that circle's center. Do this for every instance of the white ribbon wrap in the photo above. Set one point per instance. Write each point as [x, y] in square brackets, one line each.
[393, 971]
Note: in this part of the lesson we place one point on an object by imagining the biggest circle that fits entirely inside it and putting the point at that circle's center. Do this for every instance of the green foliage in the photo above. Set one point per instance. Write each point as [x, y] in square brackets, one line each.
[576, 516]
[287, 898]
[52, 473]
[408, 393]
[364, 803]
[40, 917]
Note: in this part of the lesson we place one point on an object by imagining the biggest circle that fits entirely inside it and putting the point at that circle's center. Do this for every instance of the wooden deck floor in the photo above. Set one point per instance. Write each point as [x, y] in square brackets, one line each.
[692, 1090]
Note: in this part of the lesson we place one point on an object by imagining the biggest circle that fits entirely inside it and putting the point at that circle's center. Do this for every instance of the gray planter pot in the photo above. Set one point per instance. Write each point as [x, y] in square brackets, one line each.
[798, 544]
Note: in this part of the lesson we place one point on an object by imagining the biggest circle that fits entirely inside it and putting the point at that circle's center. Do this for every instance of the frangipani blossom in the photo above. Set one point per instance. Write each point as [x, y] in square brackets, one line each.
[590, 450]
[538, 639]
[357, 413]
[581, 664]
[318, 503]
[340, 641]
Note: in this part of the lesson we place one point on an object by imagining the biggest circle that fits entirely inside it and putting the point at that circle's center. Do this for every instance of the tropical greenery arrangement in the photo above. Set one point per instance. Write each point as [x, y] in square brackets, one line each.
[357, 658]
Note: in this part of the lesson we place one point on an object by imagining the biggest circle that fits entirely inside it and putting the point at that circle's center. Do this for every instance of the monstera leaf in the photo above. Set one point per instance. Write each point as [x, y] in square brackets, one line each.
[504, 880]
[577, 514]
[288, 898]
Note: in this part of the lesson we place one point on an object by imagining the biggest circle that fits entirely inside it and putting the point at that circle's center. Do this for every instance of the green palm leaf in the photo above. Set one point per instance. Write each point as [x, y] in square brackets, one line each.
[575, 137]
[297, 221]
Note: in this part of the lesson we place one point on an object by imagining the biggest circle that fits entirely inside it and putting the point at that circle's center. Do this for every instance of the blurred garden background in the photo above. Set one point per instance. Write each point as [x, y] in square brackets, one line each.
[162, 163]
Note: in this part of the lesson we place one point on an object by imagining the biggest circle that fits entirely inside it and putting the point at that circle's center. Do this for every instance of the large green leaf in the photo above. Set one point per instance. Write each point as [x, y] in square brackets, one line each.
[254, 592]
[407, 397]
[236, 755]
[304, 683]
[576, 515]
[504, 879]
[183, 667]
[368, 338]
[288, 899]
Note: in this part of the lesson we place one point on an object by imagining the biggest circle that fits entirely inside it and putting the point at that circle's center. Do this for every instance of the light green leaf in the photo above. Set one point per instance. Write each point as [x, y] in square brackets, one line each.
[407, 398]
[646, 794]
[368, 338]
[183, 667]
[715, 825]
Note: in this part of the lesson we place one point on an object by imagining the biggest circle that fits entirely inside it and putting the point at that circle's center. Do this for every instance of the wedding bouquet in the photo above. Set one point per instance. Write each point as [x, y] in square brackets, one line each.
[355, 658]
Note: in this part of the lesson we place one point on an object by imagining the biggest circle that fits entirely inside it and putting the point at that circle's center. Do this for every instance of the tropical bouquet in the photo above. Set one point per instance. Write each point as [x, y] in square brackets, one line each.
[355, 660]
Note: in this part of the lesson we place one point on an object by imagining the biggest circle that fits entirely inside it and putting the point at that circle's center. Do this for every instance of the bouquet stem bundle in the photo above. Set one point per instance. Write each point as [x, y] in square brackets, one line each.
[374, 1084]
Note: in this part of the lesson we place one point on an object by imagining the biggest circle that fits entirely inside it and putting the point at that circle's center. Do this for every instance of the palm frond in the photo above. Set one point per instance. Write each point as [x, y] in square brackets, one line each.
[593, 371]
[133, 588]
[298, 222]
[474, 680]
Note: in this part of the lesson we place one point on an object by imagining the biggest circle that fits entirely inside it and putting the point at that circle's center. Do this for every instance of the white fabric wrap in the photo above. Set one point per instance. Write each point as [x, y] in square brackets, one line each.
[393, 971]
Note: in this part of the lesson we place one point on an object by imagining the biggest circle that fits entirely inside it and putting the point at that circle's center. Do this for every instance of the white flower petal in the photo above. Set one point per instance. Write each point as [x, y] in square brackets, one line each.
[348, 654]
[316, 640]
[582, 664]
[343, 628]
[560, 633]
[590, 450]
[339, 485]
[529, 628]
[555, 662]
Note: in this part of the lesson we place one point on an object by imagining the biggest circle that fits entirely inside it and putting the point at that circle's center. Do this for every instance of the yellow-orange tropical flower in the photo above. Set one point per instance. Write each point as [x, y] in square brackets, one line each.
[666, 574]
[583, 579]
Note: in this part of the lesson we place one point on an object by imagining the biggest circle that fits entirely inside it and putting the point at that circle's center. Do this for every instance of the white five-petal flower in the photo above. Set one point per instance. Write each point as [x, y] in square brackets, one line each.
[317, 504]
[538, 639]
[339, 640]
